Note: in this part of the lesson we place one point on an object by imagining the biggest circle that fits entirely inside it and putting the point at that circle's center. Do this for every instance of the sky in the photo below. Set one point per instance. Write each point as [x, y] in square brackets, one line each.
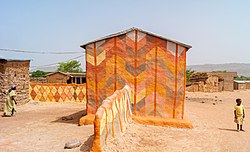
[217, 30]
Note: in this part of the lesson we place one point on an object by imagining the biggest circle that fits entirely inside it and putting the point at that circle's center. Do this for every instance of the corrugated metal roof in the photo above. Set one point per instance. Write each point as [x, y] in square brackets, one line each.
[135, 29]
[242, 81]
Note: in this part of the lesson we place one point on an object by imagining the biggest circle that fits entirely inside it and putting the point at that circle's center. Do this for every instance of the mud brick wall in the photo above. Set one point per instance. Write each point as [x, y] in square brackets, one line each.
[212, 83]
[58, 92]
[57, 78]
[152, 66]
[38, 79]
[247, 85]
[14, 72]
[111, 118]
[228, 79]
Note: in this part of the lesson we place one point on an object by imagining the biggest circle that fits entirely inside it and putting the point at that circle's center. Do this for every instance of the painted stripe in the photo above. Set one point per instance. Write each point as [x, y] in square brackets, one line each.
[87, 102]
[115, 70]
[155, 76]
[175, 85]
[184, 84]
[96, 93]
[135, 85]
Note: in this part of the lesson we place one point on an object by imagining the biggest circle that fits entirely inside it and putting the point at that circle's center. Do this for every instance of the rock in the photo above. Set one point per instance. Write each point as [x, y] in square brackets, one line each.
[72, 144]
[67, 118]
[214, 103]
[34, 103]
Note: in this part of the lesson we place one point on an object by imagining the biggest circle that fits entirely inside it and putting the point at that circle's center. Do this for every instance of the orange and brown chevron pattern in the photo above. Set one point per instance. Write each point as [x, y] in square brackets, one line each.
[154, 67]
[58, 92]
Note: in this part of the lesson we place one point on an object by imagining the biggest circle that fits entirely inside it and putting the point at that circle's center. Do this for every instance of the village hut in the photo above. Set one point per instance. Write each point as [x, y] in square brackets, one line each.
[66, 77]
[154, 66]
[241, 84]
[14, 72]
[228, 79]
[205, 82]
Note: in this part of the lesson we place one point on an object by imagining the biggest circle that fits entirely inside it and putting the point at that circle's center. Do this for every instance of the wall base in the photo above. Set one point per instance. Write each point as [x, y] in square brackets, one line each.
[158, 121]
[87, 120]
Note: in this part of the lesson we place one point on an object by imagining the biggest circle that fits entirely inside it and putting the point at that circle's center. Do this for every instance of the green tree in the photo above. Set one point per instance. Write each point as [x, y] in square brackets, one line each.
[188, 73]
[243, 78]
[38, 73]
[70, 66]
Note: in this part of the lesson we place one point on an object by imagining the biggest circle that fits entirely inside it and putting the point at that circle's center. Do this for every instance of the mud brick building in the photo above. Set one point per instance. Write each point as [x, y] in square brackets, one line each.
[152, 65]
[61, 77]
[228, 79]
[14, 72]
[205, 82]
[211, 81]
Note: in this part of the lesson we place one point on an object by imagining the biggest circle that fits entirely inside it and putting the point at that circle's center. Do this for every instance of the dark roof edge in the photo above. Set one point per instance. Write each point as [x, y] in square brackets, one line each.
[132, 29]
[13, 60]
[65, 73]
[57, 72]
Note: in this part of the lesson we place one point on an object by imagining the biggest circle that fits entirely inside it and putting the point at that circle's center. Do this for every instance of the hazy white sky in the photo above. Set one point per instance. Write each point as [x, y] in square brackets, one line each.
[218, 30]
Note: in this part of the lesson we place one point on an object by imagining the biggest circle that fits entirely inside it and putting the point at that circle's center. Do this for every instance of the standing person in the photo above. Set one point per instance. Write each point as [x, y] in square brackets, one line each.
[10, 104]
[239, 114]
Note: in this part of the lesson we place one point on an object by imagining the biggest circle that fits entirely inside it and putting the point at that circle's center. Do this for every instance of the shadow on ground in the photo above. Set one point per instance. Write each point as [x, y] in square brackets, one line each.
[86, 147]
[227, 129]
[72, 118]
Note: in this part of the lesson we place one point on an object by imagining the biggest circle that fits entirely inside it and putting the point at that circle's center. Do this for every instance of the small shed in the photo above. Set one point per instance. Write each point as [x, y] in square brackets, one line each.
[154, 66]
[14, 72]
[241, 85]
[61, 77]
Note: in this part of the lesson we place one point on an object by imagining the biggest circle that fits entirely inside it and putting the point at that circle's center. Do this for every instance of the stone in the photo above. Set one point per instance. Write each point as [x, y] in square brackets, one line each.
[67, 118]
[72, 144]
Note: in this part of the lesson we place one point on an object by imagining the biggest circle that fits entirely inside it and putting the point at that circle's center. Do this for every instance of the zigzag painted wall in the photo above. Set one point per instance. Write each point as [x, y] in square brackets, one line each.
[153, 66]
[57, 92]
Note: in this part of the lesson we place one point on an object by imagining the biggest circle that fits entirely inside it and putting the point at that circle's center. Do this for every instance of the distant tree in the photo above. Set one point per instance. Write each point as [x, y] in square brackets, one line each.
[242, 78]
[71, 66]
[188, 73]
[38, 73]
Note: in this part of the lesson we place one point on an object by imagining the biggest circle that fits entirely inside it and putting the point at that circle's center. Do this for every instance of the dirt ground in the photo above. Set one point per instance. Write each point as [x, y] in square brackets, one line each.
[40, 127]
[44, 127]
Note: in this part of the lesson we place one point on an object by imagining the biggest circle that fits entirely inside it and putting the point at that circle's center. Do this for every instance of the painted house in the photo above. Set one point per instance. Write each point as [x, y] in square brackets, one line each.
[154, 66]
[14, 72]
[61, 77]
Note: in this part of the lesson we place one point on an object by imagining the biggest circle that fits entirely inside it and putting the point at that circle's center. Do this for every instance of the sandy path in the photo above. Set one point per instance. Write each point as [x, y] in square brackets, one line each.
[39, 127]
[214, 129]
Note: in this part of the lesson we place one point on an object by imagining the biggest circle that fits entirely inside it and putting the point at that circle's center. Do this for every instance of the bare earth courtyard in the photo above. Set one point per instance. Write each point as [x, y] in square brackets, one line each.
[46, 127]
